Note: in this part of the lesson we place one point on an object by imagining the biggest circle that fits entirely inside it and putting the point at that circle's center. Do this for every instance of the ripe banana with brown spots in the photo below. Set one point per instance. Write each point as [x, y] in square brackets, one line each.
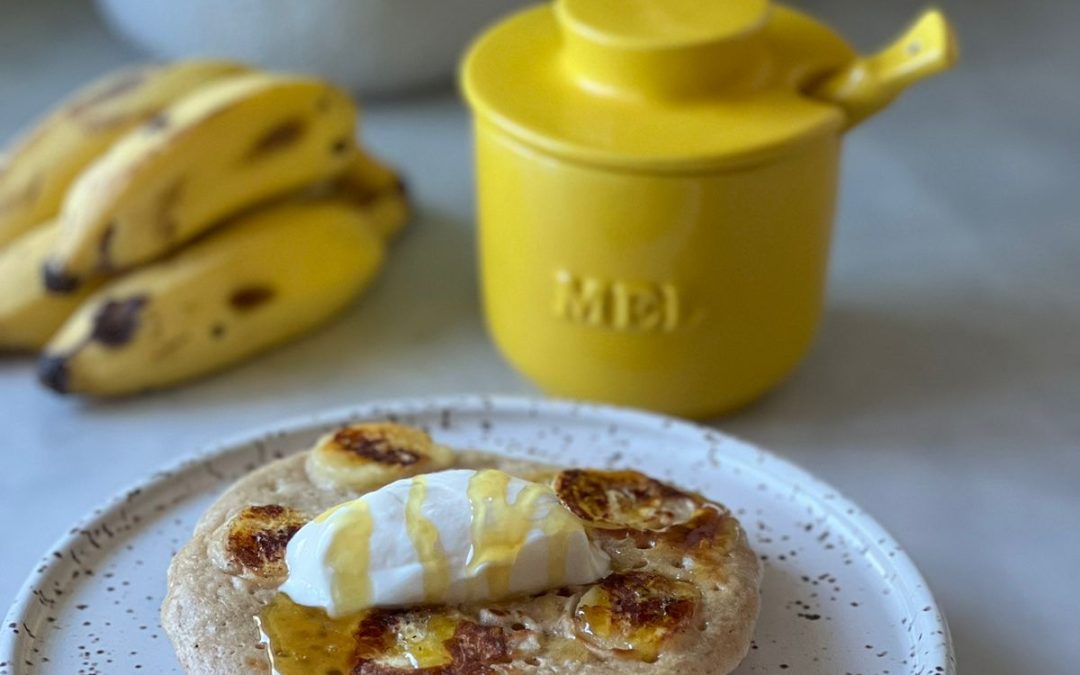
[29, 314]
[225, 148]
[260, 280]
[40, 167]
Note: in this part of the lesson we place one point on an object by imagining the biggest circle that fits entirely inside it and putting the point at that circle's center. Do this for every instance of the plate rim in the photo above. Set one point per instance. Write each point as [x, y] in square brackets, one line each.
[838, 506]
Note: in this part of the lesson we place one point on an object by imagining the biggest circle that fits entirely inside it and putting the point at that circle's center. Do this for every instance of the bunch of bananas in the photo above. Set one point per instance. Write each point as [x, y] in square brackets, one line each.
[168, 221]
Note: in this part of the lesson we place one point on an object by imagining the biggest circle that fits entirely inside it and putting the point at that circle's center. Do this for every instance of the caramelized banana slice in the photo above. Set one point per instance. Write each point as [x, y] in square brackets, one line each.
[434, 641]
[623, 499]
[363, 457]
[403, 641]
[251, 544]
[635, 614]
[706, 539]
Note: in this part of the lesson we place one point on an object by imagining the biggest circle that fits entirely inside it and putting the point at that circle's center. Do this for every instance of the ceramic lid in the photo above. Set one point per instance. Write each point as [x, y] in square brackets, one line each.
[653, 23]
[656, 84]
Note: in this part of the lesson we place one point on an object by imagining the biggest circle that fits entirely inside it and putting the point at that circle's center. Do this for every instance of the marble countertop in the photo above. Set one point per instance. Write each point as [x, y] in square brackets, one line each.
[943, 393]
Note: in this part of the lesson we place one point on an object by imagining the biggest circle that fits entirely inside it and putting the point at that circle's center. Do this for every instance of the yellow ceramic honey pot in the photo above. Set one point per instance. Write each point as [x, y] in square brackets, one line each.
[656, 185]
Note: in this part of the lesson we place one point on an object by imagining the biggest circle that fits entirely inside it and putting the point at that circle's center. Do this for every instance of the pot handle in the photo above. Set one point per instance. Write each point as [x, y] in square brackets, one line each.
[870, 83]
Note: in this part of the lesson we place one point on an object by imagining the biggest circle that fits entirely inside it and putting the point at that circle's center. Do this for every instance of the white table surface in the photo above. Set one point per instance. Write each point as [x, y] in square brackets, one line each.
[943, 393]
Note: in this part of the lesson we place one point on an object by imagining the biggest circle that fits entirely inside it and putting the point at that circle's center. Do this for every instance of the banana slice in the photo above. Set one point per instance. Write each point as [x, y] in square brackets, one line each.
[635, 613]
[430, 640]
[623, 499]
[29, 314]
[438, 639]
[363, 457]
[251, 544]
[407, 639]
[704, 542]
[41, 166]
[224, 148]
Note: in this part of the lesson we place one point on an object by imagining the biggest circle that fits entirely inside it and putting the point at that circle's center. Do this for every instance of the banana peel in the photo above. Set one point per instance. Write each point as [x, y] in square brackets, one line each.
[259, 281]
[39, 168]
[30, 314]
[169, 221]
[223, 149]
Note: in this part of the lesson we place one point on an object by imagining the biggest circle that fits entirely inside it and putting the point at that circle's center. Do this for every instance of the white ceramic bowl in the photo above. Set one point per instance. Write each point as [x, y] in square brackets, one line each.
[368, 46]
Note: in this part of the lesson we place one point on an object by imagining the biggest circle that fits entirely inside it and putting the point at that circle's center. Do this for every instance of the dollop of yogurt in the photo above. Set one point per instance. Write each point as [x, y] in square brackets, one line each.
[448, 537]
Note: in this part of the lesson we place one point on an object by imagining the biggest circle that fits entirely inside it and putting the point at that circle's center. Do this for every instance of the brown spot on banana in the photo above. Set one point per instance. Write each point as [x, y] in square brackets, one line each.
[105, 246]
[282, 136]
[165, 219]
[366, 196]
[56, 280]
[117, 321]
[248, 298]
[157, 123]
[341, 146]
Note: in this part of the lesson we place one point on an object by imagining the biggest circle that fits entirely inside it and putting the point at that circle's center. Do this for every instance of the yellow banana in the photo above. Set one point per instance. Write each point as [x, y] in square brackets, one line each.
[29, 314]
[42, 165]
[263, 279]
[224, 148]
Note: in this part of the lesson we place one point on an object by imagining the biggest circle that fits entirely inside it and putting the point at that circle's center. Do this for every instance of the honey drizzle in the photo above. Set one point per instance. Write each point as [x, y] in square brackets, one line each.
[307, 641]
[349, 554]
[303, 640]
[429, 549]
[500, 529]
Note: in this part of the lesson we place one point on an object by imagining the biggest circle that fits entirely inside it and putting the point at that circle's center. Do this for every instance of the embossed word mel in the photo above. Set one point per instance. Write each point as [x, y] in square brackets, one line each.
[629, 306]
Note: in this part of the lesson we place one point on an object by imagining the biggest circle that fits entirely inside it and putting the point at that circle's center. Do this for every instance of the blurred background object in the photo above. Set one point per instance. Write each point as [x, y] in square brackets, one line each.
[104, 188]
[690, 151]
[369, 46]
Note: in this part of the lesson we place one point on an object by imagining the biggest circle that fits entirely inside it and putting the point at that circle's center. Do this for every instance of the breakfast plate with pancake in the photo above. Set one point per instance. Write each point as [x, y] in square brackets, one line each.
[478, 535]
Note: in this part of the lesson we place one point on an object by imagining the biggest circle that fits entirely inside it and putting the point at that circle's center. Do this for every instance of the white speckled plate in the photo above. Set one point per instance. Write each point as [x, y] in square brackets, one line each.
[839, 595]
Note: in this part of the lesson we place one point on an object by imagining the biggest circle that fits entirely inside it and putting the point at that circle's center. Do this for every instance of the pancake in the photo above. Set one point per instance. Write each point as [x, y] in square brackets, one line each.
[682, 596]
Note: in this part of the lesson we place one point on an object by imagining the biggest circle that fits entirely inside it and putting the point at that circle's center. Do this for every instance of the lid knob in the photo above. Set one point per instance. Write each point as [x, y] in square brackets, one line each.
[664, 47]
